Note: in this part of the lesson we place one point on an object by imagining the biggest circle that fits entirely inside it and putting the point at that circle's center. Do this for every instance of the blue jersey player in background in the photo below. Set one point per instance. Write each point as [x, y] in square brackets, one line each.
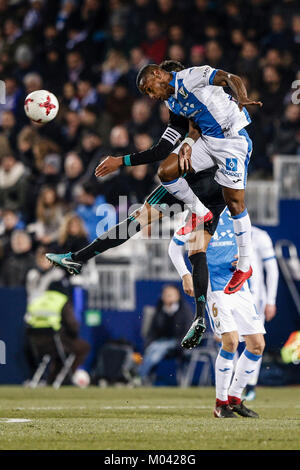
[234, 318]
[198, 94]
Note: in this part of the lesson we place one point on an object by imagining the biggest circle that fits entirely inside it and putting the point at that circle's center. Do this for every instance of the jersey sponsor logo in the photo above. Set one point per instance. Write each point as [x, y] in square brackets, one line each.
[249, 371]
[206, 71]
[225, 369]
[231, 289]
[231, 164]
[214, 310]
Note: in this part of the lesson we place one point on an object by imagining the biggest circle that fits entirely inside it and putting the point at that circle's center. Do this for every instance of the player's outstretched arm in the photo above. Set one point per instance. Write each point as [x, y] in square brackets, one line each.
[235, 83]
[175, 131]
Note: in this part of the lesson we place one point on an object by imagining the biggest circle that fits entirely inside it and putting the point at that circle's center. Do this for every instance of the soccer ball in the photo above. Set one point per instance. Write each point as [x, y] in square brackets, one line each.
[81, 378]
[41, 106]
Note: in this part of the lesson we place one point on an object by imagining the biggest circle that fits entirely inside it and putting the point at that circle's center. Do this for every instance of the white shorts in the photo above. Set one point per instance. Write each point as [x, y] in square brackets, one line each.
[235, 312]
[231, 154]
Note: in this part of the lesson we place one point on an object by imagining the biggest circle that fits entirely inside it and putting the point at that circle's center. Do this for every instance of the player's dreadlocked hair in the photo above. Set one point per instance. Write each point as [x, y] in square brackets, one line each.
[171, 66]
[146, 70]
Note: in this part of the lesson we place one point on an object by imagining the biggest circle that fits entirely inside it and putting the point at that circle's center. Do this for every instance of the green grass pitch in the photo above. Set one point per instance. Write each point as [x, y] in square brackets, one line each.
[143, 418]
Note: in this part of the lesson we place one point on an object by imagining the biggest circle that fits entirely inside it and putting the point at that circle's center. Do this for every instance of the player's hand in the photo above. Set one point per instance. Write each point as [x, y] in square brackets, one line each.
[108, 165]
[187, 284]
[270, 312]
[246, 101]
[185, 154]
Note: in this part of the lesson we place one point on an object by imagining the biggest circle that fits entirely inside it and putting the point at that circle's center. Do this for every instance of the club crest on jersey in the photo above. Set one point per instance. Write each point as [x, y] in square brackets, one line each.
[231, 164]
[183, 92]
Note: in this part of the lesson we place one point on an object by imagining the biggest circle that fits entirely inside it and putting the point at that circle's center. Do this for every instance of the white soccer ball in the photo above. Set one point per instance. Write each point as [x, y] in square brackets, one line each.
[81, 378]
[41, 106]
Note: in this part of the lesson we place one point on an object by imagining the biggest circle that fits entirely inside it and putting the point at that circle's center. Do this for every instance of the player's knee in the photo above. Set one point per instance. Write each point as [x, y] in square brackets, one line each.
[166, 173]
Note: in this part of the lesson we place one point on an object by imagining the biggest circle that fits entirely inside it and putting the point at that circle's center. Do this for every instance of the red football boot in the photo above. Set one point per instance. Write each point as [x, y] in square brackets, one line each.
[238, 279]
[193, 222]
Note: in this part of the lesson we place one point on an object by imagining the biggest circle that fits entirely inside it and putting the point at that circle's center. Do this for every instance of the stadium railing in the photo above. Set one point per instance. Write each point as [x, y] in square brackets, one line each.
[287, 176]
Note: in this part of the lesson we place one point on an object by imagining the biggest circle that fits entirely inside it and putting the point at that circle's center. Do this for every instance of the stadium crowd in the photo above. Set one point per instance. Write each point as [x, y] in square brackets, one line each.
[88, 53]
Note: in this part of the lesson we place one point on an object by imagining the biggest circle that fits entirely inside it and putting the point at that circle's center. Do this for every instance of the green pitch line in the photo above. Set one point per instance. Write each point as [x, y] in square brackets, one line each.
[143, 418]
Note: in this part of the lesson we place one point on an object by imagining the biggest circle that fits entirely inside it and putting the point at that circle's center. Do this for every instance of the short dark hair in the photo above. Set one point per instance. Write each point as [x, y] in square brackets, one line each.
[144, 71]
[172, 66]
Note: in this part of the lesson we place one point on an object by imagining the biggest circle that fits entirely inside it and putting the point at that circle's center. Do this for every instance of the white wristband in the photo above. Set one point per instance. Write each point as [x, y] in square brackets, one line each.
[189, 141]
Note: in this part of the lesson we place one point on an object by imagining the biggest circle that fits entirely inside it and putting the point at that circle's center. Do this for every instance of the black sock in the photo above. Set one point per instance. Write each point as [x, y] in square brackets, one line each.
[200, 282]
[113, 237]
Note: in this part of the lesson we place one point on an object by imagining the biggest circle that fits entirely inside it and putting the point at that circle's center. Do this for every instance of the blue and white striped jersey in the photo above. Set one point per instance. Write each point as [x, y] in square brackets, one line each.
[216, 113]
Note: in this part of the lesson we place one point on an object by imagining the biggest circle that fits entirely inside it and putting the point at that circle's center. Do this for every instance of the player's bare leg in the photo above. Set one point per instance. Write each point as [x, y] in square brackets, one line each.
[198, 244]
[235, 200]
[169, 173]
[223, 374]
[247, 364]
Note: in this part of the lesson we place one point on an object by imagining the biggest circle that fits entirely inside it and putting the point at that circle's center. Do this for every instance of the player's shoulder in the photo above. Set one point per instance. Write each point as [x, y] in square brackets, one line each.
[196, 76]
[191, 72]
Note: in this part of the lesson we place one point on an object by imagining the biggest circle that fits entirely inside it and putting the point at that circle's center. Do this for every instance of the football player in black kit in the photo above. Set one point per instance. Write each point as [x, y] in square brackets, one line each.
[157, 205]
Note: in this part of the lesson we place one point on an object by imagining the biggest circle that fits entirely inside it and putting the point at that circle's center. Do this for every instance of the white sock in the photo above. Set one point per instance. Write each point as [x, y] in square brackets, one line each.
[182, 191]
[247, 365]
[223, 374]
[254, 377]
[242, 231]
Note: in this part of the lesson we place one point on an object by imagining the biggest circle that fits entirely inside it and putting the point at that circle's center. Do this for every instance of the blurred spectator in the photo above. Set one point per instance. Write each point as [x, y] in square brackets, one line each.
[86, 95]
[279, 37]
[167, 327]
[119, 103]
[112, 69]
[71, 129]
[247, 63]
[32, 82]
[49, 215]
[8, 127]
[177, 52]
[72, 235]
[40, 276]
[272, 92]
[140, 183]
[89, 53]
[197, 55]
[137, 61]
[168, 13]
[56, 301]
[91, 121]
[142, 119]
[15, 268]
[296, 38]
[119, 141]
[287, 133]
[214, 55]
[13, 183]
[10, 222]
[199, 16]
